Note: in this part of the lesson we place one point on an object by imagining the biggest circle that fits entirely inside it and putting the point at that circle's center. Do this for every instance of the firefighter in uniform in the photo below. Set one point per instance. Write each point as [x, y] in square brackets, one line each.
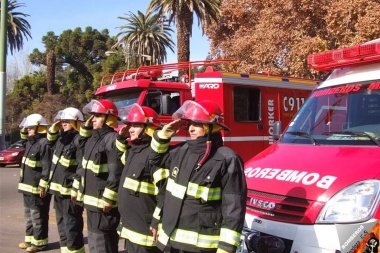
[102, 169]
[141, 181]
[35, 164]
[205, 197]
[67, 156]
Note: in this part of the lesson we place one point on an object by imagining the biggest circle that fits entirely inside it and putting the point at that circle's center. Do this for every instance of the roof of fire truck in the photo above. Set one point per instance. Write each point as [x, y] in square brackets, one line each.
[142, 77]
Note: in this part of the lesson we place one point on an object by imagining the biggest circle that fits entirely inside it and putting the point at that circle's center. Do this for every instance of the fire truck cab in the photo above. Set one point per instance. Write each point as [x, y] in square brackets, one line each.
[317, 189]
[251, 103]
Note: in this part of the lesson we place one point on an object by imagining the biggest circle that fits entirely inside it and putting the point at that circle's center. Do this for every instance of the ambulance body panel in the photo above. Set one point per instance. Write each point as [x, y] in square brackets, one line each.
[308, 171]
[317, 189]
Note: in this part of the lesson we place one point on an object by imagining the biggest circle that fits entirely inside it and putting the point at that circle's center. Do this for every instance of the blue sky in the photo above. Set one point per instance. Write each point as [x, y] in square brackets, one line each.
[58, 15]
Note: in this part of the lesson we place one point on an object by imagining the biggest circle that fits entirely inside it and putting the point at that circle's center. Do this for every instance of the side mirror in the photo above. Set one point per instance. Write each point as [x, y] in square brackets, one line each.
[166, 104]
[277, 130]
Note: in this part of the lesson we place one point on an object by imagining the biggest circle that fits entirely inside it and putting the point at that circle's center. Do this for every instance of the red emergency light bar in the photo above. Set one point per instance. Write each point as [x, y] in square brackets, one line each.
[344, 57]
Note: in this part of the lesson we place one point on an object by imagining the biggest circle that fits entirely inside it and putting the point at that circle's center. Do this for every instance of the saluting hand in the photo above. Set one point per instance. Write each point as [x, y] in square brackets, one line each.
[170, 129]
[174, 125]
[55, 126]
[124, 131]
[89, 121]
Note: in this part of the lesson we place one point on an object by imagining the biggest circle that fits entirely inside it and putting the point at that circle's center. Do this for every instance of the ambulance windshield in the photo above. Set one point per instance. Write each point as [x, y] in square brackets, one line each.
[347, 114]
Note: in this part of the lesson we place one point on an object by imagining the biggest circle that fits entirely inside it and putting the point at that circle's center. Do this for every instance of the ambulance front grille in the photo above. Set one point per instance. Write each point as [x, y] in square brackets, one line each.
[277, 207]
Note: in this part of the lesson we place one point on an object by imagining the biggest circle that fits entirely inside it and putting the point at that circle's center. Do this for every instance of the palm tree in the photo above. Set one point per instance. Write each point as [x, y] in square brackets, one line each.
[145, 35]
[17, 27]
[181, 12]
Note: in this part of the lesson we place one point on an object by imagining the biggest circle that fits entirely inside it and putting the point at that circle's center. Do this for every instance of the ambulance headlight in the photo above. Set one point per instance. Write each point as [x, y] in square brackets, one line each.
[355, 203]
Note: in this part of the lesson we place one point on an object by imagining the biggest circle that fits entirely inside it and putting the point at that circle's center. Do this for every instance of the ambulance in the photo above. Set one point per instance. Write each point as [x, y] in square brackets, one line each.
[251, 103]
[317, 188]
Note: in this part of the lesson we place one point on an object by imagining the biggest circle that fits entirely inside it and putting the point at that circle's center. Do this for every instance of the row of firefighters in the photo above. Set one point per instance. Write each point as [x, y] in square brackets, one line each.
[133, 183]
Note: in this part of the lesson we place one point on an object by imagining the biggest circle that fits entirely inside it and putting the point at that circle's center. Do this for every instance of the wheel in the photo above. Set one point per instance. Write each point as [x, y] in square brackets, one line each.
[2, 165]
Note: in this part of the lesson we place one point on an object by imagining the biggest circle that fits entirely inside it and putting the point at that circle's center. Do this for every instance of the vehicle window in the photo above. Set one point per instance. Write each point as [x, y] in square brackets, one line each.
[246, 104]
[122, 99]
[16, 145]
[154, 100]
[345, 114]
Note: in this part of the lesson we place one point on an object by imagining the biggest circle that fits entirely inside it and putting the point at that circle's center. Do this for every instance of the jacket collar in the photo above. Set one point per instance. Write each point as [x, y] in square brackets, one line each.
[198, 146]
[99, 133]
[68, 136]
[35, 138]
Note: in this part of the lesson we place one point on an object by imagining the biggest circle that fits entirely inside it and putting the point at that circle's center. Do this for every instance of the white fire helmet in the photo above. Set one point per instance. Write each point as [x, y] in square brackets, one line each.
[33, 120]
[69, 113]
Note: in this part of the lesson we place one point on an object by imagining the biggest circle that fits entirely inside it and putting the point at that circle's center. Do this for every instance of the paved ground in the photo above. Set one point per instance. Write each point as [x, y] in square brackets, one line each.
[12, 225]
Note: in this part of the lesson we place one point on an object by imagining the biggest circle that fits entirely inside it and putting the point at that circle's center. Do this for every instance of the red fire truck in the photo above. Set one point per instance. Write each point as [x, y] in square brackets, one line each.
[251, 102]
[317, 189]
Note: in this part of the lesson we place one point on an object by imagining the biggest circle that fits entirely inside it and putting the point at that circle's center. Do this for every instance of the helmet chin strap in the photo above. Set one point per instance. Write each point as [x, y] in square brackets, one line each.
[208, 148]
[142, 132]
[105, 120]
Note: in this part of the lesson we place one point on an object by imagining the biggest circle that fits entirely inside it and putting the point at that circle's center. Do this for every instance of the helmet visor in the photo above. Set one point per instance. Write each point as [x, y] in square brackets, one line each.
[192, 111]
[101, 107]
[22, 124]
[93, 107]
[58, 116]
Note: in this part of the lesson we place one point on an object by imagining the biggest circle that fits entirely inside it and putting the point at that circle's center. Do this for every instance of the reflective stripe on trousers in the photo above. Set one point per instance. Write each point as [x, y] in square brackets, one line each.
[36, 214]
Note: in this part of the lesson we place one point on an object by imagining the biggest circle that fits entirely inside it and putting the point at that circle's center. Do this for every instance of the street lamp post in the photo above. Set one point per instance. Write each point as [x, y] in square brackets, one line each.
[3, 67]
[127, 56]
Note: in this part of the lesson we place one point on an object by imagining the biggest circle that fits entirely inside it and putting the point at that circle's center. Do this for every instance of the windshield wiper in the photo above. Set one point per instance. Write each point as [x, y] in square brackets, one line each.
[303, 134]
[359, 134]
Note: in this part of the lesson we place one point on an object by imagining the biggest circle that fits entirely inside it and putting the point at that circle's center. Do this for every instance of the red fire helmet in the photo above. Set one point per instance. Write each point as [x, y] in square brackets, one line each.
[203, 111]
[139, 114]
[101, 106]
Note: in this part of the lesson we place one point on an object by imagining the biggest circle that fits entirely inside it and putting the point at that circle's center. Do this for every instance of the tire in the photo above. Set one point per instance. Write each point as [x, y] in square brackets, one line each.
[2, 165]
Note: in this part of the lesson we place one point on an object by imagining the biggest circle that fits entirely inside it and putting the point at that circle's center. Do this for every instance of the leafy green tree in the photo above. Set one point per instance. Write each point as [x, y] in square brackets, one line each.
[30, 89]
[181, 12]
[145, 35]
[78, 57]
[18, 27]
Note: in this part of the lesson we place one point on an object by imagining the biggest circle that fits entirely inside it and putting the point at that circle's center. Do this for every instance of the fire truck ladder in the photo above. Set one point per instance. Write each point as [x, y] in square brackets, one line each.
[154, 71]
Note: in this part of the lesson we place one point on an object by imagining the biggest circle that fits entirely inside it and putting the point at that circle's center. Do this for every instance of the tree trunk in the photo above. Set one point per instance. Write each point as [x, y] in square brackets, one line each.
[184, 23]
[50, 71]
